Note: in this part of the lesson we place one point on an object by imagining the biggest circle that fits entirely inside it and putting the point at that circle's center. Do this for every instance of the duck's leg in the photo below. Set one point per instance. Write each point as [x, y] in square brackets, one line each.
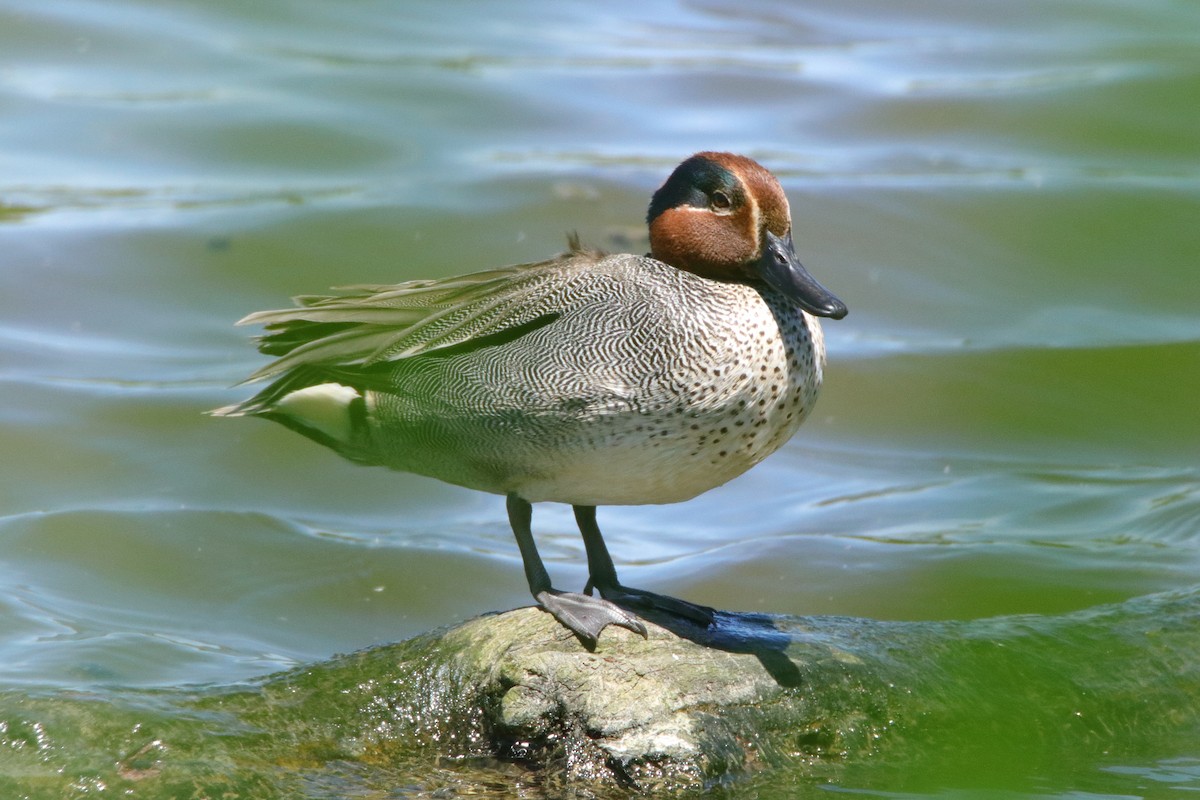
[603, 576]
[585, 615]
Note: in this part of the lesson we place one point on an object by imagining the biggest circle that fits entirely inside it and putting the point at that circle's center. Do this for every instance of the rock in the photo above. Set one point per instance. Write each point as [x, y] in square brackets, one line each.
[635, 711]
[682, 708]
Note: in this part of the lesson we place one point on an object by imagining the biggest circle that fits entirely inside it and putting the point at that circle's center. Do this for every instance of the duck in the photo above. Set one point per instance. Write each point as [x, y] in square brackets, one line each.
[587, 379]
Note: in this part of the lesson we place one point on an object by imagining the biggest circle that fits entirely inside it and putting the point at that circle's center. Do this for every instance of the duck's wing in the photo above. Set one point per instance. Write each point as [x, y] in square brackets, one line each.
[366, 325]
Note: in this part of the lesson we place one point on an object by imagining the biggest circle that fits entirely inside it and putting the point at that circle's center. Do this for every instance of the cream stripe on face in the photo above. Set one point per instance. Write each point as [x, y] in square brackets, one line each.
[752, 204]
[769, 199]
[755, 223]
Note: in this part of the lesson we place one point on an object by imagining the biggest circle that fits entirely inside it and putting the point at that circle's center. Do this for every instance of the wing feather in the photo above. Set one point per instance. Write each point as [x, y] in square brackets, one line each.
[366, 325]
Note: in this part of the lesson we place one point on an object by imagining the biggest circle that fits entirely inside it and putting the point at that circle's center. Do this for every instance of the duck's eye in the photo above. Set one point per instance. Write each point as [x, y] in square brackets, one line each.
[720, 201]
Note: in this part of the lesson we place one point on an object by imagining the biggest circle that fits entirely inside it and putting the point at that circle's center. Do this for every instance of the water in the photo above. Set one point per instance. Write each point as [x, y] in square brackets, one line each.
[1005, 194]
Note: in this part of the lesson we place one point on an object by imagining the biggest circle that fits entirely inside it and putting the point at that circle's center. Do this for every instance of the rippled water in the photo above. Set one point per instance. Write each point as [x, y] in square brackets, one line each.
[1006, 194]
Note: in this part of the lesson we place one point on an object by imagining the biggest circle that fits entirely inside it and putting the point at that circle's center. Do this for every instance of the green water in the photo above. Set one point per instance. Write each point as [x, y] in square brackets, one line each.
[1006, 194]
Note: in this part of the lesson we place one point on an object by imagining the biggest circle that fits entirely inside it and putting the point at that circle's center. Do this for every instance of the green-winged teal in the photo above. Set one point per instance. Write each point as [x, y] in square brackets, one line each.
[588, 379]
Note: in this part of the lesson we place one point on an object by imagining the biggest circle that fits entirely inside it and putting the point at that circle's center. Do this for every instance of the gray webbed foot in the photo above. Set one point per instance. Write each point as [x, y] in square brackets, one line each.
[639, 598]
[585, 615]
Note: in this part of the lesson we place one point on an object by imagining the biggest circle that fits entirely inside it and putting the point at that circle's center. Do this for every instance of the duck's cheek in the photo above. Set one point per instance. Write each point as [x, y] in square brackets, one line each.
[699, 241]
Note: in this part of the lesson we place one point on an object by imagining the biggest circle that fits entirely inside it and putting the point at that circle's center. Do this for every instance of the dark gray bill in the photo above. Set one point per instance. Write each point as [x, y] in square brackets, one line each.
[783, 272]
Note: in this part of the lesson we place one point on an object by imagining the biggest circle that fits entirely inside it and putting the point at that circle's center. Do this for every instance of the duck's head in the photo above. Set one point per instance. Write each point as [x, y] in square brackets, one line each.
[724, 216]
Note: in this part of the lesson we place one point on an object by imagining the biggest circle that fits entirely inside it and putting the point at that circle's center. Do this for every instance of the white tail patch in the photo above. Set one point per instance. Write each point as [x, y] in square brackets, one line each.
[324, 407]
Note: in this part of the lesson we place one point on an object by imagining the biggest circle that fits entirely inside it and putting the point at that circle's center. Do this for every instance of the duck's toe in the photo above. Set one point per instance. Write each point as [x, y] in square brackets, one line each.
[587, 616]
[639, 598]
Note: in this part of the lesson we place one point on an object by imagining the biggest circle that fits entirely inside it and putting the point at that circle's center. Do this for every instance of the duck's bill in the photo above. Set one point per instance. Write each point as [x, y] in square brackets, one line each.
[783, 272]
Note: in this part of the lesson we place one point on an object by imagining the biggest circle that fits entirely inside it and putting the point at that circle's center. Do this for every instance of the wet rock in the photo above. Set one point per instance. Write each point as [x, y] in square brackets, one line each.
[685, 707]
